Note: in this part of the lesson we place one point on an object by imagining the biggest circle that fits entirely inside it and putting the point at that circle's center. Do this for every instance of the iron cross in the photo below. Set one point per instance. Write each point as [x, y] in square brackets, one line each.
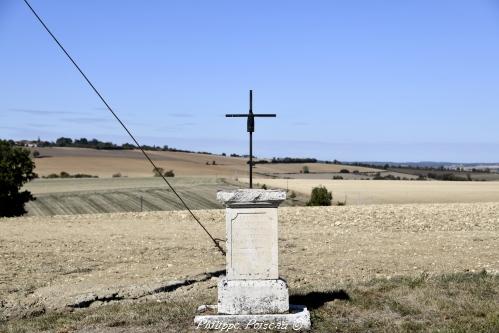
[251, 128]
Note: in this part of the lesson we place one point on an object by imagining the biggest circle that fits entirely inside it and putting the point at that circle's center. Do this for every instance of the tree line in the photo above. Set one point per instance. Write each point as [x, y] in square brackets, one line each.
[107, 145]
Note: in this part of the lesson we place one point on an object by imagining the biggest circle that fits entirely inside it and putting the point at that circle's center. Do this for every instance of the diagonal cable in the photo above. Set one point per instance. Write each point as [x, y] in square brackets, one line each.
[215, 242]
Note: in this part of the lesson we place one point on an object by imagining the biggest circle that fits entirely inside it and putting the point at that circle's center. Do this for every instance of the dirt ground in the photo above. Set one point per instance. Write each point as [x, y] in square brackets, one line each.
[87, 260]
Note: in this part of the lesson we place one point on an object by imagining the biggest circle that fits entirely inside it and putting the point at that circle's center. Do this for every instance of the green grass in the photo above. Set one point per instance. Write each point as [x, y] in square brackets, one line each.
[452, 303]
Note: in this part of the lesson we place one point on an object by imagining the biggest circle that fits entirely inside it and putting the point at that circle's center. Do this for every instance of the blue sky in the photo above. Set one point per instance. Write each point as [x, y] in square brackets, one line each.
[351, 80]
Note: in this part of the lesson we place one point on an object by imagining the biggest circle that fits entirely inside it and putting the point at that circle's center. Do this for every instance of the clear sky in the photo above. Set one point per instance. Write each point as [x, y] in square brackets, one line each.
[351, 80]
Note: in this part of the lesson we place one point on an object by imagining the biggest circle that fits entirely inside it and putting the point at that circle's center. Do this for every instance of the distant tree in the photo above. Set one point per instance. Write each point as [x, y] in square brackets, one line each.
[82, 142]
[64, 142]
[158, 171]
[16, 168]
[320, 197]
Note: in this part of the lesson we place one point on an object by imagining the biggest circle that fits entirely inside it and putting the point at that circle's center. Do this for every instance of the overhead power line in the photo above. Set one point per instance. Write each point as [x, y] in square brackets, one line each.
[215, 241]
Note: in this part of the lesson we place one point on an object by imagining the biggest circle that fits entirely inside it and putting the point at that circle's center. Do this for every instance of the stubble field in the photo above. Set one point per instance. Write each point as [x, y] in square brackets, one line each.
[362, 192]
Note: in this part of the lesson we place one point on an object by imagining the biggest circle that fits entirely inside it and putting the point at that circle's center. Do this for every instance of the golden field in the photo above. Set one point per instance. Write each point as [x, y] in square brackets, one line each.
[362, 192]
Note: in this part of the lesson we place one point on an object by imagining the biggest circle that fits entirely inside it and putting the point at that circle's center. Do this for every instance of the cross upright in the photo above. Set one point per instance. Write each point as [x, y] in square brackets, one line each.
[251, 128]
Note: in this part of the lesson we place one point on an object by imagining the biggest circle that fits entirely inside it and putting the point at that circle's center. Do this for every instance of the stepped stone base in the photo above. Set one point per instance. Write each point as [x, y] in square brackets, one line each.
[298, 319]
[252, 296]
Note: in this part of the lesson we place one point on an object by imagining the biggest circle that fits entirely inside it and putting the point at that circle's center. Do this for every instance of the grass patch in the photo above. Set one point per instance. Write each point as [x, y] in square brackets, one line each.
[462, 302]
[451, 303]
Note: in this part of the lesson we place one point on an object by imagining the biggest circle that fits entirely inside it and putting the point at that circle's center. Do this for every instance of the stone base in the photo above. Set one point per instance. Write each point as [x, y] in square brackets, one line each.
[241, 297]
[298, 319]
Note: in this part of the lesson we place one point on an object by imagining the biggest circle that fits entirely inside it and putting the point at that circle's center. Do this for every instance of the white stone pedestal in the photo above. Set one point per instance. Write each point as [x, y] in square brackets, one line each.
[252, 295]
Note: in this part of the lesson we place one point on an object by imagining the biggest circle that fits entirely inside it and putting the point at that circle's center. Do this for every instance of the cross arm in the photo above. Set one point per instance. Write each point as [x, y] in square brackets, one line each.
[254, 115]
[236, 115]
[265, 115]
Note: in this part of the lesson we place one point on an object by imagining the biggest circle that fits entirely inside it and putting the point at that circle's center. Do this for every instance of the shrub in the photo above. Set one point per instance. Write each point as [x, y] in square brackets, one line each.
[16, 168]
[320, 197]
[52, 175]
[158, 171]
[169, 173]
[82, 175]
[292, 195]
[305, 169]
[36, 154]
[344, 171]
[264, 187]
[214, 163]
[337, 177]
[117, 175]
[64, 174]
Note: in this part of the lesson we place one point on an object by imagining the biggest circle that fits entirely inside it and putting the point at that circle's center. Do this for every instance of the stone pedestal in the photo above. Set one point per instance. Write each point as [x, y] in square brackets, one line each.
[252, 292]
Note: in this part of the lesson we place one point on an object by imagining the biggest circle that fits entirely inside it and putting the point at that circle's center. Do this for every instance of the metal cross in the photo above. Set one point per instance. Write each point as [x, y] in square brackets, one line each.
[251, 128]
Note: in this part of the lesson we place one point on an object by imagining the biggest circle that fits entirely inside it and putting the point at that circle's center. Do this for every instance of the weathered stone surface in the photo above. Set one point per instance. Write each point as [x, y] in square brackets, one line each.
[252, 296]
[248, 197]
[297, 320]
[252, 251]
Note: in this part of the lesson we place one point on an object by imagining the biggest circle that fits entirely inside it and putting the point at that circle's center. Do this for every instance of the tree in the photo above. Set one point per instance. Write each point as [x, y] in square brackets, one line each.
[320, 197]
[63, 142]
[16, 168]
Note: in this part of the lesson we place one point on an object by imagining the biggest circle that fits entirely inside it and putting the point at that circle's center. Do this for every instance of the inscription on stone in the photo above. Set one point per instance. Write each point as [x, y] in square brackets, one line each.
[252, 243]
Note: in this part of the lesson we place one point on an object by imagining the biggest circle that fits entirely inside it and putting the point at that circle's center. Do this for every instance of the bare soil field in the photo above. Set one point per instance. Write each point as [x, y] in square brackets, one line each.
[362, 192]
[63, 263]
[131, 163]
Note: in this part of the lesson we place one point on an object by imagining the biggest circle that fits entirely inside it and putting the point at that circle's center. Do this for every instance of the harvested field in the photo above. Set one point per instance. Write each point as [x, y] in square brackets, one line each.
[93, 260]
[90, 196]
[131, 163]
[364, 192]
[110, 195]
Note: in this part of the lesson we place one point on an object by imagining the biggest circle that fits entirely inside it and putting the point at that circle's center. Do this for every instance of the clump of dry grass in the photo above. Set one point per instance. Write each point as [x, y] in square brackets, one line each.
[460, 302]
